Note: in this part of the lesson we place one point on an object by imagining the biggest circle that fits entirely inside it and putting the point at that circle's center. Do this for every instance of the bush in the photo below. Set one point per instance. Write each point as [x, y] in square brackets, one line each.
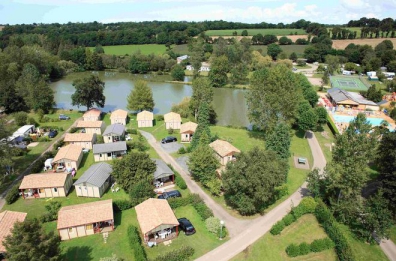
[73, 129]
[203, 211]
[43, 139]
[180, 182]
[304, 248]
[277, 228]
[20, 118]
[319, 245]
[120, 205]
[44, 119]
[159, 117]
[136, 244]
[181, 150]
[133, 131]
[13, 194]
[99, 139]
[307, 205]
[31, 121]
[179, 202]
[170, 131]
[189, 149]
[213, 225]
[181, 254]
[293, 250]
[281, 191]
[59, 144]
[52, 211]
[288, 219]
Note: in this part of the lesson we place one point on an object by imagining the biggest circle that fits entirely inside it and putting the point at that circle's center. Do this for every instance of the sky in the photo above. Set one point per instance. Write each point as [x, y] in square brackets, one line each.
[249, 11]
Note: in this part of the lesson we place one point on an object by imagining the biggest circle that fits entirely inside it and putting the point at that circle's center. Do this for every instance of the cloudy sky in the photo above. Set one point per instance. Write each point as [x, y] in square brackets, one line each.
[250, 11]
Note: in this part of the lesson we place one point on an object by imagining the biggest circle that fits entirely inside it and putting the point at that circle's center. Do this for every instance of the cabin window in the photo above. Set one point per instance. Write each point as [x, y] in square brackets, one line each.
[41, 190]
[100, 155]
[55, 189]
[109, 154]
[89, 227]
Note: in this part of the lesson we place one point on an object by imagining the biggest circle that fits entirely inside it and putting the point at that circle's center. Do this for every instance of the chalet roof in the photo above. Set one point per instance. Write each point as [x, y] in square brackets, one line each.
[119, 114]
[7, 221]
[172, 116]
[109, 147]
[162, 170]
[153, 213]
[84, 214]
[92, 112]
[188, 127]
[78, 137]
[223, 148]
[117, 129]
[44, 180]
[145, 116]
[96, 175]
[71, 152]
[89, 124]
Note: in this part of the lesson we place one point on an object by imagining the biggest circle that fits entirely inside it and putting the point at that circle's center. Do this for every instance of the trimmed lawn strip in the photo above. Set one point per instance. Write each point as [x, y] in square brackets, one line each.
[392, 235]
[305, 229]
[329, 139]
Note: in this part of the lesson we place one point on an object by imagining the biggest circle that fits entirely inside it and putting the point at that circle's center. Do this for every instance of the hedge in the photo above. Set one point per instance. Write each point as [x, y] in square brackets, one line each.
[120, 205]
[178, 179]
[13, 194]
[136, 244]
[317, 245]
[196, 201]
[333, 230]
[181, 254]
[332, 126]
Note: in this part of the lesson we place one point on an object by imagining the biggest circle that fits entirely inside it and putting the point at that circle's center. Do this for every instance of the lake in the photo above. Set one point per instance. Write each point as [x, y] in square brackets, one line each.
[229, 104]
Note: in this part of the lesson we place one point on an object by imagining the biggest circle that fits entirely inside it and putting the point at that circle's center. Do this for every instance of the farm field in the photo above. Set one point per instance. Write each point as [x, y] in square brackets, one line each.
[274, 31]
[288, 49]
[130, 49]
[341, 44]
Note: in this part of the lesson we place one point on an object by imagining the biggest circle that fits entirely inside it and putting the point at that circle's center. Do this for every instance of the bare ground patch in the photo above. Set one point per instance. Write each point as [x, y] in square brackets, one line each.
[341, 44]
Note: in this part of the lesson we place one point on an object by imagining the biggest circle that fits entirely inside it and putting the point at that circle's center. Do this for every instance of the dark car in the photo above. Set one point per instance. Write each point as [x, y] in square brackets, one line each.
[168, 139]
[52, 133]
[170, 194]
[186, 226]
[63, 117]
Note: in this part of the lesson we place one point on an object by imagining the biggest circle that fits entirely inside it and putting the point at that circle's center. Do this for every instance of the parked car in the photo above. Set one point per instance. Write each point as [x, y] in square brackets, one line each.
[170, 194]
[186, 226]
[63, 117]
[169, 139]
[52, 133]
[85, 150]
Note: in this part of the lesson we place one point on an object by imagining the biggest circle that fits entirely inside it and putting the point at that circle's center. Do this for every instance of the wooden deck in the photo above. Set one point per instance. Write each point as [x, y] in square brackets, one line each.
[159, 240]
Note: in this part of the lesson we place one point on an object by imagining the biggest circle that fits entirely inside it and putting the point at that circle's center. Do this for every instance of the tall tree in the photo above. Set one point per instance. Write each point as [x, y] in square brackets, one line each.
[28, 241]
[141, 97]
[203, 126]
[177, 73]
[89, 91]
[279, 141]
[273, 50]
[266, 100]
[202, 92]
[218, 71]
[133, 168]
[249, 183]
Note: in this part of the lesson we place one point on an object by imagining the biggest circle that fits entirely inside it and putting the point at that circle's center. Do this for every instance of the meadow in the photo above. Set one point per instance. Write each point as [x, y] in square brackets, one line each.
[251, 32]
[130, 49]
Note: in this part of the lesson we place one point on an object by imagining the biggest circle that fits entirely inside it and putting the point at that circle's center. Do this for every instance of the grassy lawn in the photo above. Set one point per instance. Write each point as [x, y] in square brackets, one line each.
[325, 137]
[305, 229]
[393, 234]
[130, 49]
[240, 138]
[251, 32]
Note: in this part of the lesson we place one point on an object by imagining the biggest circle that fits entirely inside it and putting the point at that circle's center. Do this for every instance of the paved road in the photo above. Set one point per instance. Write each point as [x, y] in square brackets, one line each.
[389, 249]
[27, 170]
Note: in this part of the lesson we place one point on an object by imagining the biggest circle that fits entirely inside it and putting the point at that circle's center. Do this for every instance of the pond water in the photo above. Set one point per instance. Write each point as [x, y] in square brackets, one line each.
[229, 104]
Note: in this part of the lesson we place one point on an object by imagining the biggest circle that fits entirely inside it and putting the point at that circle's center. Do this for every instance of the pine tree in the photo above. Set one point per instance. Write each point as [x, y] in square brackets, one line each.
[141, 97]
[203, 125]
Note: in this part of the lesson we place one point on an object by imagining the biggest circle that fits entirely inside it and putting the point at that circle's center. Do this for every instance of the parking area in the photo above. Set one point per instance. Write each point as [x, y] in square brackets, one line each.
[171, 147]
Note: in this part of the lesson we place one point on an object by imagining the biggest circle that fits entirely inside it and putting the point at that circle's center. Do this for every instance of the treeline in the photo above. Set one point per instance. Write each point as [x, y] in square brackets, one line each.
[374, 28]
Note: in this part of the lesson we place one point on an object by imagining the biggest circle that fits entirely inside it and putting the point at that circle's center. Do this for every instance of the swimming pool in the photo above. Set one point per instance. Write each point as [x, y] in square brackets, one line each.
[347, 119]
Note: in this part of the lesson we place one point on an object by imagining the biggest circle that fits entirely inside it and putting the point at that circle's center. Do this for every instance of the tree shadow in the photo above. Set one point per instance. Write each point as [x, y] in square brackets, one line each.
[300, 134]
[256, 135]
[117, 218]
[74, 253]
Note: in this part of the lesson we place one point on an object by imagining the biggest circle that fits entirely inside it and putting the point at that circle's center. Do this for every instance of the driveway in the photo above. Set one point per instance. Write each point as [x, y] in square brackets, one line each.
[182, 161]
[171, 147]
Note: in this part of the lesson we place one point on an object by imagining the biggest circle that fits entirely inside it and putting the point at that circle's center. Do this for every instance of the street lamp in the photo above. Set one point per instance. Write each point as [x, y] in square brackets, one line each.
[221, 228]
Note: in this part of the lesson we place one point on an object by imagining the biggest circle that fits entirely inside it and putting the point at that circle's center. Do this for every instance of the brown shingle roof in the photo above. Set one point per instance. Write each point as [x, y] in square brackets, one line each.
[145, 116]
[89, 124]
[92, 112]
[119, 114]
[223, 148]
[188, 127]
[7, 220]
[83, 214]
[172, 116]
[70, 152]
[78, 137]
[153, 213]
[43, 180]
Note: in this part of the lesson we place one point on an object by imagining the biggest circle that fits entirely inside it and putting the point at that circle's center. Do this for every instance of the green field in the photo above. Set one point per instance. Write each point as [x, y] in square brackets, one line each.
[251, 32]
[130, 49]
[348, 83]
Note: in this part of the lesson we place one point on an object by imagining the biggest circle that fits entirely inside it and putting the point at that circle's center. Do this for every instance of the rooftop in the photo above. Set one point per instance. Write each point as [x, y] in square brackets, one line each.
[70, 152]
[43, 180]
[76, 137]
[117, 129]
[89, 124]
[119, 114]
[162, 170]
[172, 116]
[109, 147]
[223, 148]
[145, 116]
[7, 221]
[339, 95]
[84, 214]
[96, 175]
[188, 127]
[92, 112]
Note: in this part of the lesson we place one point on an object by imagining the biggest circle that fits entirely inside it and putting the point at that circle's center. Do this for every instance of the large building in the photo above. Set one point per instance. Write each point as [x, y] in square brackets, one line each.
[354, 100]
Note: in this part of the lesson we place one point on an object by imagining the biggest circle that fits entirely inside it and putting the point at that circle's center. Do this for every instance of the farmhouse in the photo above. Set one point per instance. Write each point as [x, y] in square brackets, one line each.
[85, 140]
[187, 130]
[224, 151]
[69, 157]
[7, 221]
[119, 116]
[340, 97]
[172, 121]
[205, 67]
[114, 133]
[46, 185]
[109, 151]
[157, 221]
[85, 219]
[163, 173]
[94, 182]
[92, 127]
[92, 115]
[182, 58]
[145, 119]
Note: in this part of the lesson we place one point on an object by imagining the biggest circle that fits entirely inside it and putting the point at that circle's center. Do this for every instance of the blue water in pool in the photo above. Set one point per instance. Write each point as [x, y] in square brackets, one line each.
[347, 119]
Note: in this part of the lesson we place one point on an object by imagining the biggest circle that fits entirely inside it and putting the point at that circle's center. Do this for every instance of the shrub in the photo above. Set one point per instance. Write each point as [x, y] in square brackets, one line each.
[159, 117]
[136, 244]
[293, 250]
[281, 191]
[59, 144]
[319, 245]
[180, 182]
[43, 139]
[73, 129]
[13, 194]
[213, 225]
[181, 254]
[31, 121]
[179, 202]
[277, 228]
[133, 131]
[304, 248]
[52, 211]
[170, 131]
[189, 149]
[203, 211]
[288, 219]
[181, 150]
[308, 204]
[44, 119]
[20, 118]
[99, 139]
[120, 205]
